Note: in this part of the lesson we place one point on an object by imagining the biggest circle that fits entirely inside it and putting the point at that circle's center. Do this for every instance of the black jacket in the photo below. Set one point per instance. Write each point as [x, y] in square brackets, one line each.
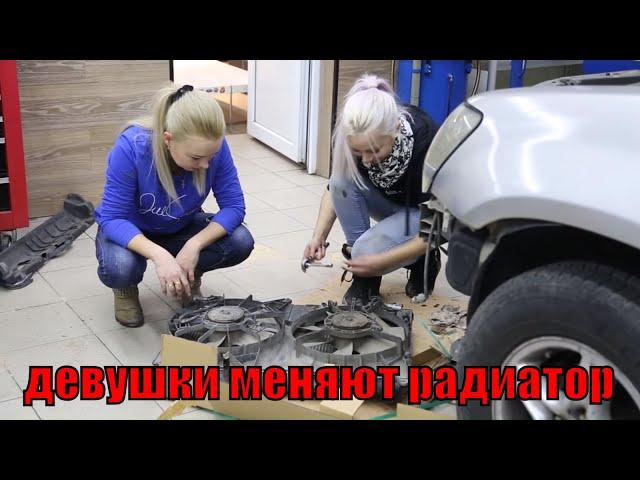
[407, 190]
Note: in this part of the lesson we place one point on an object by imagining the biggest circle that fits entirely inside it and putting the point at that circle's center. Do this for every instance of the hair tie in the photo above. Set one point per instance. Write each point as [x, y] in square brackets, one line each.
[179, 93]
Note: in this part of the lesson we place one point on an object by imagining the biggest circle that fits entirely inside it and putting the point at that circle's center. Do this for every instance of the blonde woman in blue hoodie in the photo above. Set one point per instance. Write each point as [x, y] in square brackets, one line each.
[159, 172]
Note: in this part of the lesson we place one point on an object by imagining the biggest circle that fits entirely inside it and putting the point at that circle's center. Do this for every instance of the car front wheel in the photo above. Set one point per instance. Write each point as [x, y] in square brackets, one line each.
[562, 315]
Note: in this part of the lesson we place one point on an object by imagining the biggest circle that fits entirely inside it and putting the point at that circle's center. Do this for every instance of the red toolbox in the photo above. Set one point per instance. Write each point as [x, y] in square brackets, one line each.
[13, 182]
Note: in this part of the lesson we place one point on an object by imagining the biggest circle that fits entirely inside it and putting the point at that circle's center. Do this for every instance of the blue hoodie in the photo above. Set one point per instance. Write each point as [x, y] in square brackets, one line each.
[135, 202]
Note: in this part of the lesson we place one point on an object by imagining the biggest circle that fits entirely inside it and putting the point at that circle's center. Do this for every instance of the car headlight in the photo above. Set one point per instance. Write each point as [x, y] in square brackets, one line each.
[454, 131]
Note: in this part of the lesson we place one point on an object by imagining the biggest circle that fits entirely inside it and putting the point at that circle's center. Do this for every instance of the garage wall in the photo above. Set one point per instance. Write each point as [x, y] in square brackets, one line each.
[350, 70]
[72, 111]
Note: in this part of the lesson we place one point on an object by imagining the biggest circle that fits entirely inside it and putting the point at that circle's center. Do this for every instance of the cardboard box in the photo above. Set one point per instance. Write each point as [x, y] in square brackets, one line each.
[427, 347]
[407, 412]
[426, 350]
[180, 352]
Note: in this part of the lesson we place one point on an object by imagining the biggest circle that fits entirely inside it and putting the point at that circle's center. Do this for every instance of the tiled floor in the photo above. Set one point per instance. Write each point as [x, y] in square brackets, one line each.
[65, 317]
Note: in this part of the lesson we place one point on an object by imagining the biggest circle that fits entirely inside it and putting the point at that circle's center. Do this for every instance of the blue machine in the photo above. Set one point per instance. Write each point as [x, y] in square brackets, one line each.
[443, 85]
[518, 68]
[601, 66]
[405, 76]
[516, 78]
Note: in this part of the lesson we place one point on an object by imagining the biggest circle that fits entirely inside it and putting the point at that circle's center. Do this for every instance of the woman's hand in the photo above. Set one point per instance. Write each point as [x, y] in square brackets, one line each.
[187, 258]
[315, 249]
[173, 280]
[368, 265]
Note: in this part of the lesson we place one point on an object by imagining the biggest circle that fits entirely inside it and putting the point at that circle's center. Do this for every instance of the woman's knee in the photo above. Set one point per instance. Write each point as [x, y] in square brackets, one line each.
[341, 187]
[366, 245]
[372, 242]
[242, 243]
[121, 267]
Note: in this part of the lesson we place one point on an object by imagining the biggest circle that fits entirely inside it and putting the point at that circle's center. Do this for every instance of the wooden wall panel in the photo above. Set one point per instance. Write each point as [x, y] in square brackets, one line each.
[72, 112]
[348, 73]
[350, 70]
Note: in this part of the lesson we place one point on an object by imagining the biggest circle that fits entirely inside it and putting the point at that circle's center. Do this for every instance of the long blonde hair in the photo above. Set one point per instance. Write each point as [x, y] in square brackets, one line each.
[370, 107]
[193, 114]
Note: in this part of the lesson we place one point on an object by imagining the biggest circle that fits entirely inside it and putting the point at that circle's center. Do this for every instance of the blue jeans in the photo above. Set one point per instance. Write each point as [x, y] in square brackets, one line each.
[120, 267]
[355, 207]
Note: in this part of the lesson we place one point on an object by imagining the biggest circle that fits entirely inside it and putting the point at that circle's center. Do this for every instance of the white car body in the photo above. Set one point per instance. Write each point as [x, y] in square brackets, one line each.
[545, 153]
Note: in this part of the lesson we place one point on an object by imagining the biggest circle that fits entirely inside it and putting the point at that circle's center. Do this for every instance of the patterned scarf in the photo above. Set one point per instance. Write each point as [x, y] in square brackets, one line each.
[389, 170]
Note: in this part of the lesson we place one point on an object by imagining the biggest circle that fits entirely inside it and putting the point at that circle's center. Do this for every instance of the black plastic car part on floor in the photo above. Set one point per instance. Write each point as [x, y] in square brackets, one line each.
[24, 258]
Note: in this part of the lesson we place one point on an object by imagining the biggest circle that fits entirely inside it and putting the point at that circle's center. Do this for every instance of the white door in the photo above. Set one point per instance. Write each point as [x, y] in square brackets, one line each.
[278, 105]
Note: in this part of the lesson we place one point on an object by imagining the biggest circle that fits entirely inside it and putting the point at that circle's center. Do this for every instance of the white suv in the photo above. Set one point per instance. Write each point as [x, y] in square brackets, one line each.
[537, 191]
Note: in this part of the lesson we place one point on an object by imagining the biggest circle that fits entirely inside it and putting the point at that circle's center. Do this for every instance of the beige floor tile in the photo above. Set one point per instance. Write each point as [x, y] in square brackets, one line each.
[8, 387]
[306, 215]
[254, 205]
[289, 246]
[99, 410]
[253, 149]
[75, 352]
[271, 223]
[217, 283]
[302, 178]
[92, 231]
[81, 254]
[36, 293]
[319, 189]
[278, 279]
[264, 183]
[287, 198]
[14, 410]
[75, 283]
[247, 168]
[136, 346]
[276, 163]
[97, 312]
[39, 325]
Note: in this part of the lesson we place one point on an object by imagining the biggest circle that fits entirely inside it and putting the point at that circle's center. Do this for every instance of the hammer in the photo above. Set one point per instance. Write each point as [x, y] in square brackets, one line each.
[308, 262]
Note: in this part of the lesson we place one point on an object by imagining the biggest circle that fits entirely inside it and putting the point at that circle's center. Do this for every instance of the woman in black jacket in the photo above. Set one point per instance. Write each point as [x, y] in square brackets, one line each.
[379, 147]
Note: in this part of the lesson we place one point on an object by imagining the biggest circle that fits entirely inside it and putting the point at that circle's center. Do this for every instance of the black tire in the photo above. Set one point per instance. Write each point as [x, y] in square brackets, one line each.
[596, 305]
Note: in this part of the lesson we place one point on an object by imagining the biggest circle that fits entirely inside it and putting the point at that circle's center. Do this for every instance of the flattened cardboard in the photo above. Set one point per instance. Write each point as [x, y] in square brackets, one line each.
[424, 348]
[345, 409]
[407, 412]
[177, 351]
[181, 352]
[175, 409]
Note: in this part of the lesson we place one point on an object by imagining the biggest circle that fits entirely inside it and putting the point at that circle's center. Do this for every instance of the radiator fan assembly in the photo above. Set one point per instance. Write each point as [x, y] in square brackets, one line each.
[277, 332]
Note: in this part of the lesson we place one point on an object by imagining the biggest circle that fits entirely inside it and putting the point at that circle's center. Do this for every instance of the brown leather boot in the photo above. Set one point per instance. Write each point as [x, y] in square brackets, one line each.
[127, 308]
